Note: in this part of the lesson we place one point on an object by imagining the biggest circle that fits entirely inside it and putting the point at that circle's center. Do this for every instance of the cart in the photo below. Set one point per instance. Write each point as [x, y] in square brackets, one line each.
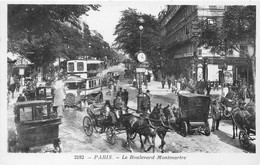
[192, 113]
[96, 120]
[37, 124]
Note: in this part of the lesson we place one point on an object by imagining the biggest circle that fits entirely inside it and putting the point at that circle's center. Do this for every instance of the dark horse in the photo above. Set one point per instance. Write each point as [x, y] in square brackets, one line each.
[163, 119]
[243, 118]
[142, 126]
[11, 89]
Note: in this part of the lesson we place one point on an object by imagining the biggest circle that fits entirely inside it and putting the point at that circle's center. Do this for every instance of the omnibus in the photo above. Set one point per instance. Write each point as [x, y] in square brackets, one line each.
[83, 82]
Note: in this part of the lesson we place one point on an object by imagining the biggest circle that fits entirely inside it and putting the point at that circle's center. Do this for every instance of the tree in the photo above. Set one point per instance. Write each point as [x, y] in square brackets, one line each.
[236, 28]
[224, 35]
[130, 38]
[46, 30]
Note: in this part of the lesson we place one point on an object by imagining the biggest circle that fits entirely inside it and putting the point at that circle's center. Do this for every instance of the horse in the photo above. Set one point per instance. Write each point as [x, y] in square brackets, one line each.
[163, 118]
[142, 126]
[242, 93]
[242, 118]
[11, 89]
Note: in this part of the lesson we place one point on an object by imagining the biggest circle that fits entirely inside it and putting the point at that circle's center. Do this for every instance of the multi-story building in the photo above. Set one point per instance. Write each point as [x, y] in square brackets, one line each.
[179, 30]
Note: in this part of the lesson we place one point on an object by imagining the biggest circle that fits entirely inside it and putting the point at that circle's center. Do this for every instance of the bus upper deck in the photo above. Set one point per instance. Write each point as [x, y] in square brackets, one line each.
[84, 68]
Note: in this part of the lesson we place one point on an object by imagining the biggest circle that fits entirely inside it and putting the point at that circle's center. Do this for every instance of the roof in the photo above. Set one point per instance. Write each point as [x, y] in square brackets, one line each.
[193, 95]
[74, 79]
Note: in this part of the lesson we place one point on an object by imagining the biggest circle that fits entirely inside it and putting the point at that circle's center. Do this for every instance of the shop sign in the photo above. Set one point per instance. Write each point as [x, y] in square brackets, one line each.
[184, 55]
[140, 70]
[229, 61]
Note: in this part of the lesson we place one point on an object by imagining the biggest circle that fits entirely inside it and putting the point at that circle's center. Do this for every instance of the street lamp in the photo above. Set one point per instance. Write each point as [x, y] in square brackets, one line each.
[251, 53]
[141, 31]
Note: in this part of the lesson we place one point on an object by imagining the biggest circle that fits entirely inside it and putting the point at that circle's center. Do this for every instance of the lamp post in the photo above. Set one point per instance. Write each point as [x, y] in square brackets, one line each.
[140, 74]
[251, 53]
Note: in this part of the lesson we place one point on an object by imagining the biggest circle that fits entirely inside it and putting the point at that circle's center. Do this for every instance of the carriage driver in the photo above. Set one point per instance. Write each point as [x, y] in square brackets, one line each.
[107, 111]
[216, 116]
[118, 106]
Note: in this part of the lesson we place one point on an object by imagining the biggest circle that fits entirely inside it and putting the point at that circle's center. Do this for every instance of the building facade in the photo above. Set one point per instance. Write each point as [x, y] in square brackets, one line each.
[179, 31]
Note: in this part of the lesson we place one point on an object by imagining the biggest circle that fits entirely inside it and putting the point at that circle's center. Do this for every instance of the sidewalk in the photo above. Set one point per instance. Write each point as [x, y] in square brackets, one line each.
[155, 87]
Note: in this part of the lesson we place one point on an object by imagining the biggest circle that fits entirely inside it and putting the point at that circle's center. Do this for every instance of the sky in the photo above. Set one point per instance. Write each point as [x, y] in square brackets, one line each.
[105, 20]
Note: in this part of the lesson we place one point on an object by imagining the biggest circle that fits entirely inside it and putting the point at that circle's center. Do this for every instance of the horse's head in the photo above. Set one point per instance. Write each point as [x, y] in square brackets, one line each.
[157, 111]
[169, 112]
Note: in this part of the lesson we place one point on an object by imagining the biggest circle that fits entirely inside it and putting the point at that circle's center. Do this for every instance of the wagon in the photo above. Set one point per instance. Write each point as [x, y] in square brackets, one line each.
[96, 120]
[37, 124]
[192, 113]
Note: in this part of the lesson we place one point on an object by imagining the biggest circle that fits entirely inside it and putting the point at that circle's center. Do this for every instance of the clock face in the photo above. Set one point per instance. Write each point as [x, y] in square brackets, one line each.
[141, 57]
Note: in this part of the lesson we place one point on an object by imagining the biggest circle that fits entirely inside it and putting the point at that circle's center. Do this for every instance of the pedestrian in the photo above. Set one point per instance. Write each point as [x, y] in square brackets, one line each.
[145, 83]
[125, 97]
[21, 98]
[216, 115]
[169, 81]
[120, 92]
[149, 77]
[251, 94]
[208, 88]
[178, 84]
[163, 82]
[134, 83]
[146, 105]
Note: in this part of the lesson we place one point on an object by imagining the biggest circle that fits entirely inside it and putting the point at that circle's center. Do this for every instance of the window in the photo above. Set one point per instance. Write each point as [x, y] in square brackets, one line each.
[74, 85]
[41, 112]
[89, 84]
[25, 114]
[70, 66]
[80, 66]
[92, 67]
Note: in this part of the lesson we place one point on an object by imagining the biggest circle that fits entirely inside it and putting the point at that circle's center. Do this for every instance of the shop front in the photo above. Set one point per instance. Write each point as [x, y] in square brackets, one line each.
[230, 70]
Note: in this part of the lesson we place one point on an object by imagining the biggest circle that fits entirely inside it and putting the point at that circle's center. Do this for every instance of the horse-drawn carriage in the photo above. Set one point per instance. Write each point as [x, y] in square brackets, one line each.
[192, 113]
[243, 118]
[132, 122]
[37, 124]
[97, 120]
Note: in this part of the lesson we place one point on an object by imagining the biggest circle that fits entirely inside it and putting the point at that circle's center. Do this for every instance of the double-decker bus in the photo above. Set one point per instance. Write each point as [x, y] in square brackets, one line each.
[84, 81]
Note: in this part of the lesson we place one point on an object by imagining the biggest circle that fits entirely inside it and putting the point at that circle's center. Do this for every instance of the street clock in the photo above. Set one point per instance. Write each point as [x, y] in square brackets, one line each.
[141, 57]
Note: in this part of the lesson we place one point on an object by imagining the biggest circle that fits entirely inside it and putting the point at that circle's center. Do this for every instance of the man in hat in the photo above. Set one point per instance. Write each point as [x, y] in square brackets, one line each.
[125, 97]
[107, 110]
[118, 105]
[120, 92]
[216, 116]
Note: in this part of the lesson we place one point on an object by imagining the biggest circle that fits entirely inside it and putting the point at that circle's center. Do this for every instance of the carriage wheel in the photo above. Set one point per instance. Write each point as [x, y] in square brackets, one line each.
[87, 125]
[132, 136]
[111, 136]
[244, 140]
[184, 128]
[207, 129]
